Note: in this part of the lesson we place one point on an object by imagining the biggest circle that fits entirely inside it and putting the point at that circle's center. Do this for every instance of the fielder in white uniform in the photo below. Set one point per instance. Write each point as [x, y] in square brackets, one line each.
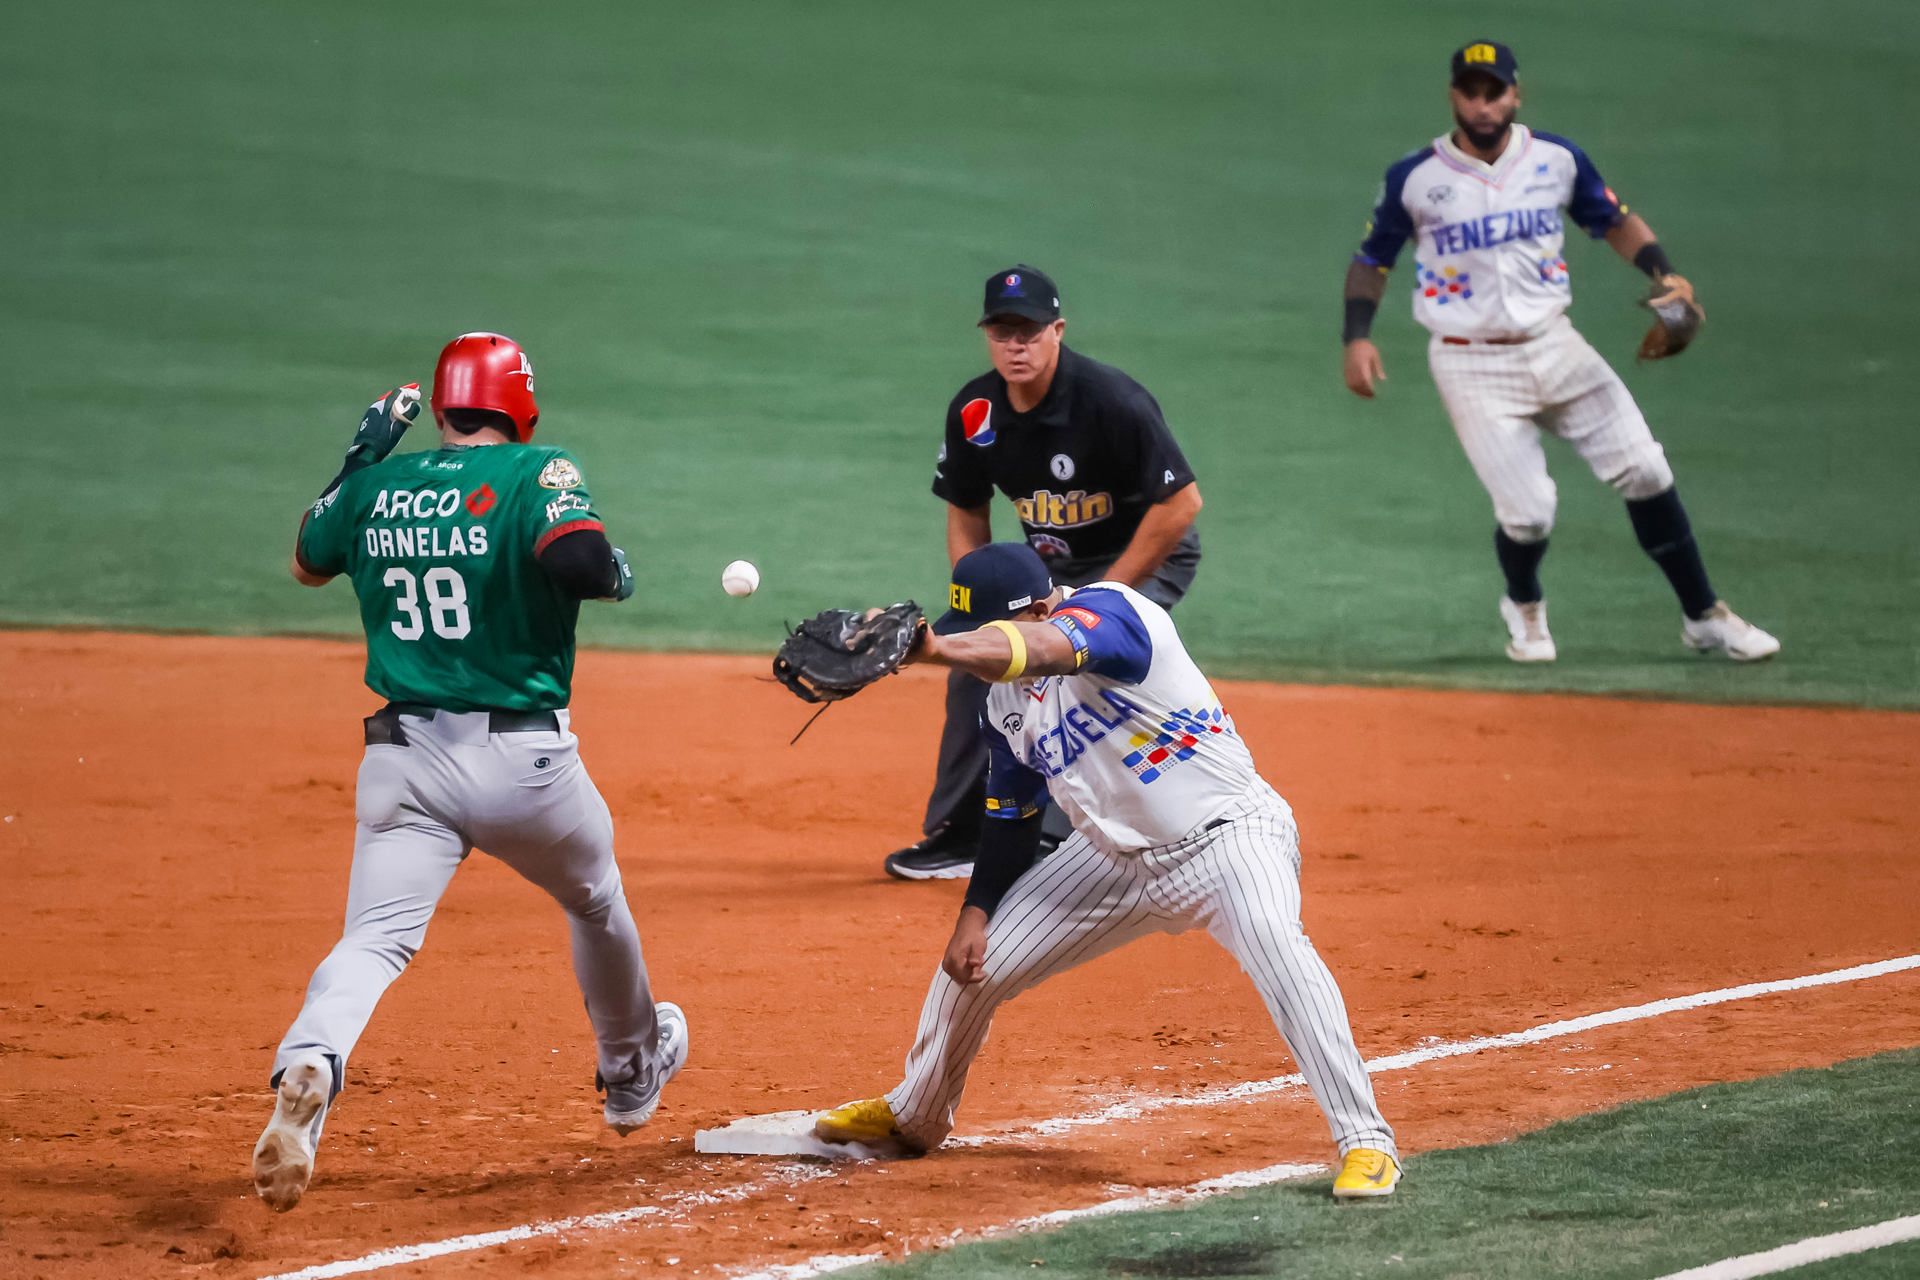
[1096, 704]
[1486, 208]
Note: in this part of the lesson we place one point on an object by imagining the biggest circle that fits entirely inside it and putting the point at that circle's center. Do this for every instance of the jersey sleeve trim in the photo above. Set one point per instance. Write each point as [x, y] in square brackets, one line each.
[1107, 634]
[1014, 791]
[1592, 206]
[561, 530]
[1013, 808]
[1391, 226]
[300, 557]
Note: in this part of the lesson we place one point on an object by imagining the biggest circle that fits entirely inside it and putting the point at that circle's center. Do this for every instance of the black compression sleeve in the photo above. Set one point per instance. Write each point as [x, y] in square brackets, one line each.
[1652, 259]
[1007, 848]
[581, 564]
[1359, 323]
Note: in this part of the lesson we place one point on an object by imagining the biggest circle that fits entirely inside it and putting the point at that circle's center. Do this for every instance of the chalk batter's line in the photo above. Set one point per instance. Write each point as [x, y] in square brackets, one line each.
[1802, 1252]
[404, 1254]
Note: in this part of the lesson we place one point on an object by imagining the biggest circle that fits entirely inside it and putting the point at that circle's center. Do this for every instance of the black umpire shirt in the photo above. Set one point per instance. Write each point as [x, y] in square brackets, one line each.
[1081, 468]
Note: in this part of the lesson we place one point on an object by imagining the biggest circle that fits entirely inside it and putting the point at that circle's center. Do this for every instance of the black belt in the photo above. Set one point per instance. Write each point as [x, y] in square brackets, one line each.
[383, 726]
[1217, 822]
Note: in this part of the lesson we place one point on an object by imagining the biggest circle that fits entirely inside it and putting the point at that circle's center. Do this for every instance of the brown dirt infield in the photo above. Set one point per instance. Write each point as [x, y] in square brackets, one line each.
[179, 816]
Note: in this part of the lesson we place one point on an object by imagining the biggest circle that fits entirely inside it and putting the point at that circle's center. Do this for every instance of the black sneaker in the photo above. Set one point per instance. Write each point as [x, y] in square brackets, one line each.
[946, 855]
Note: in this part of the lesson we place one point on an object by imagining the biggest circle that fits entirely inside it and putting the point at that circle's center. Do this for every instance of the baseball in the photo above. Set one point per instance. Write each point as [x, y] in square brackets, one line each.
[740, 578]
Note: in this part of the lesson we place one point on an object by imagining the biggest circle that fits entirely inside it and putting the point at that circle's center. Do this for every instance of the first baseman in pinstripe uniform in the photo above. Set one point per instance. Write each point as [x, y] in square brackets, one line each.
[1096, 706]
[1484, 208]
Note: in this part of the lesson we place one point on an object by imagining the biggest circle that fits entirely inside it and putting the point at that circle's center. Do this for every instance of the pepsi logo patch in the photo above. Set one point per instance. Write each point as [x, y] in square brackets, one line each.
[1085, 617]
[976, 419]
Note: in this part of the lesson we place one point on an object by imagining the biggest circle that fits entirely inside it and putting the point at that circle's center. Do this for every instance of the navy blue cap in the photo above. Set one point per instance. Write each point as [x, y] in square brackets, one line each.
[992, 584]
[1022, 291]
[1487, 56]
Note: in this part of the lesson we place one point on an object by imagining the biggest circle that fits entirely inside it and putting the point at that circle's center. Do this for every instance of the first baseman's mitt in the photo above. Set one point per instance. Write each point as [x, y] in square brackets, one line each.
[1671, 301]
[838, 652]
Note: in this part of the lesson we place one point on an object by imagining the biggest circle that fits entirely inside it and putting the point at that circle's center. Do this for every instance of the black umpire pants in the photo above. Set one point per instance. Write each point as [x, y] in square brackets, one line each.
[960, 778]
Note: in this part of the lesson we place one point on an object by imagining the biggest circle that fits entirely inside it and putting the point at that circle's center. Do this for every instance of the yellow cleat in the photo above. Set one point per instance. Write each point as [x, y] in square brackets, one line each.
[1366, 1172]
[869, 1120]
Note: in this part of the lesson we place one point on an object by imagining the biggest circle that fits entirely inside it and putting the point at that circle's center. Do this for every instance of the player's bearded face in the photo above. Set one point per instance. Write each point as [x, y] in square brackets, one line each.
[1484, 109]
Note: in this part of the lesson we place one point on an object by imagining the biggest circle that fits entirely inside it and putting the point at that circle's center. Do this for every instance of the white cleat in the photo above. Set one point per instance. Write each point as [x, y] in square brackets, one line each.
[1727, 631]
[1530, 641]
[631, 1102]
[283, 1158]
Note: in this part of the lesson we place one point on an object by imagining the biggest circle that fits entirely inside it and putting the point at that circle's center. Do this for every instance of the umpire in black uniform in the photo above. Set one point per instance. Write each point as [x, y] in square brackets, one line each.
[1102, 491]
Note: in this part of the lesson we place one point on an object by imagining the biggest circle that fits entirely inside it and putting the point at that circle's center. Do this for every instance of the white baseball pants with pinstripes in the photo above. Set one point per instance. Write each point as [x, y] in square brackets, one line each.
[1241, 880]
[1502, 397]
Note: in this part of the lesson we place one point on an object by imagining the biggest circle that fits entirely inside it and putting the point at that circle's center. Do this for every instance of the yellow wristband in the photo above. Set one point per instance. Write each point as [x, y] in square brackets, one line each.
[1018, 663]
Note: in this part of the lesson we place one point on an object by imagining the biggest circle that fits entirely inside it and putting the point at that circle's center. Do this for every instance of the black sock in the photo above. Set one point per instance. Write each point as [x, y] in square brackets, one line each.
[1660, 522]
[1520, 561]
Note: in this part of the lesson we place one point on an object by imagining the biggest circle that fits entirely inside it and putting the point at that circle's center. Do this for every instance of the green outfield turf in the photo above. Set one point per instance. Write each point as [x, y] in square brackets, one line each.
[744, 243]
[1642, 1191]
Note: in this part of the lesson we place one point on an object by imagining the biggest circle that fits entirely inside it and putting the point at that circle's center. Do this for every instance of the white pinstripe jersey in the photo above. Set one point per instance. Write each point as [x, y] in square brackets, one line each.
[1488, 237]
[1134, 746]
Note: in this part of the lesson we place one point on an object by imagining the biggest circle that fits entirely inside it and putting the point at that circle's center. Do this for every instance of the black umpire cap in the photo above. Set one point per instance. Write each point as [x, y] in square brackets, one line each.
[1022, 291]
[1488, 57]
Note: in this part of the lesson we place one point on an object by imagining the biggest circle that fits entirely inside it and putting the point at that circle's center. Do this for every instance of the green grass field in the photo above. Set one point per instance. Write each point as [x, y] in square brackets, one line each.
[744, 244]
[1637, 1192]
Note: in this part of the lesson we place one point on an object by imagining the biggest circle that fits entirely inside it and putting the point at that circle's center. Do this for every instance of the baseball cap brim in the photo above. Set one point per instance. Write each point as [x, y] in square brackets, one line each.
[1023, 308]
[953, 622]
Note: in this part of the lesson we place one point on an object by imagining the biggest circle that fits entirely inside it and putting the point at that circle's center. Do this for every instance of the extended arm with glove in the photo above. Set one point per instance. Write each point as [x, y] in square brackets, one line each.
[378, 435]
[1678, 318]
[838, 652]
[379, 432]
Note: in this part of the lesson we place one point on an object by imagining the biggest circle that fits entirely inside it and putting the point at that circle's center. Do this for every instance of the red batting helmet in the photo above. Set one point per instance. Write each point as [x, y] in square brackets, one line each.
[486, 371]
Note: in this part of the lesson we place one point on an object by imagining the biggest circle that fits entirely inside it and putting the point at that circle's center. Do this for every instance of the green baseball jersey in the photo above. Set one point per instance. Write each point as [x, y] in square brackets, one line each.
[440, 547]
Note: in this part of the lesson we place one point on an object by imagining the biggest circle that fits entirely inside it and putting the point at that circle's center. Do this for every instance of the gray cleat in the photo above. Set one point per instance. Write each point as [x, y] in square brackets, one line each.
[631, 1102]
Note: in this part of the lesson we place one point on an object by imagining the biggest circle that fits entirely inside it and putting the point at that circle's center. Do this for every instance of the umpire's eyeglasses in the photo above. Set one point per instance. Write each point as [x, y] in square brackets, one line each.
[1023, 332]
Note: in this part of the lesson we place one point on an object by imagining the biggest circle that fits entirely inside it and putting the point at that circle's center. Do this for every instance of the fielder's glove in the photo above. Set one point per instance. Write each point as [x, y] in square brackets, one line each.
[1671, 302]
[838, 652]
[382, 425]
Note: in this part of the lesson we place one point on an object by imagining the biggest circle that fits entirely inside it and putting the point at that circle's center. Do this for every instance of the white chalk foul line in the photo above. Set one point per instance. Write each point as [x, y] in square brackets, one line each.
[1802, 1252]
[401, 1255]
[1153, 1198]
[1249, 1089]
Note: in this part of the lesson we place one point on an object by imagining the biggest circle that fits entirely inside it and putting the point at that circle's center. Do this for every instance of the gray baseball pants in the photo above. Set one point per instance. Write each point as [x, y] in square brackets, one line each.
[523, 797]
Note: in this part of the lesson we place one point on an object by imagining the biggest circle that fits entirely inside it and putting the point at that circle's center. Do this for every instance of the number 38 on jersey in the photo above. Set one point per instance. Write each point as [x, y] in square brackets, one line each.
[445, 600]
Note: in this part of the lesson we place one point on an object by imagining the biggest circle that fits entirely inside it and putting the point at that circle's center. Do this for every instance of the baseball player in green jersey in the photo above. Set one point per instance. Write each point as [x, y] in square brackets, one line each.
[470, 562]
